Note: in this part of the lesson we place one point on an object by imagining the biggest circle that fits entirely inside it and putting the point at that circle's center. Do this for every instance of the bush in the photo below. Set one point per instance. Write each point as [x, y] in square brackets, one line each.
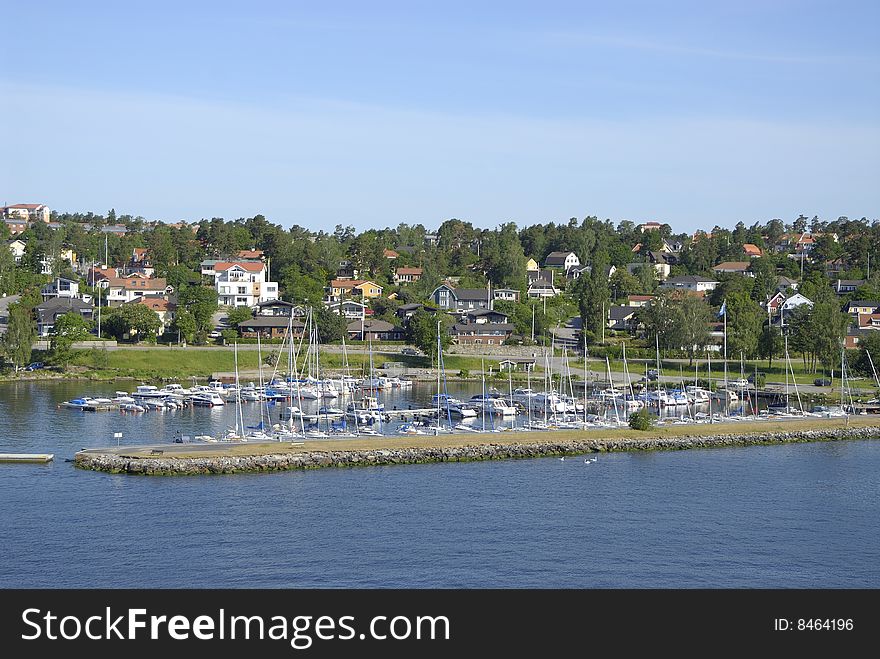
[464, 373]
[640, 420]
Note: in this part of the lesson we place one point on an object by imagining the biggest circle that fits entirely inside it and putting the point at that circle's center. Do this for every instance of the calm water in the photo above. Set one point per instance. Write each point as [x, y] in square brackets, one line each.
[789, 516]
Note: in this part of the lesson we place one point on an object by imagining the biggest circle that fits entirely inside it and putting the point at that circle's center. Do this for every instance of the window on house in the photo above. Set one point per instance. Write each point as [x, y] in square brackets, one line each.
[242, 290]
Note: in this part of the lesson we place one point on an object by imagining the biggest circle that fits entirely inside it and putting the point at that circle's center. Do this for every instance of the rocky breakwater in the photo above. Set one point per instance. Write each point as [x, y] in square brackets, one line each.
[543, 446]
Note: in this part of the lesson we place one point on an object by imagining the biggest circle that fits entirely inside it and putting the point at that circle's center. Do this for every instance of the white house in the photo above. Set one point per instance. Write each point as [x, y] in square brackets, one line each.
[690, 283]
[243, 284]
[128, 289]
[17, 246]
[562, 260]
[60, 287]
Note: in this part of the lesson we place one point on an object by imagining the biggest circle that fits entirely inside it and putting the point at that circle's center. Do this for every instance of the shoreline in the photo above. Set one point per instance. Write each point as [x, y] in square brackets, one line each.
[264, 457]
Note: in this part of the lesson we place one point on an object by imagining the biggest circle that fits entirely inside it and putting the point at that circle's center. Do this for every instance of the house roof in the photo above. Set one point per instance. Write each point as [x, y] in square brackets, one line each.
[752, 249]
[477, 313]
[862, 303]
[409, 271]
[30, 207]
[621, 312]
[732, 266]
[351, 283]
[255, 254]
[51, 309]
[556, 258]
[413, 306]
[274, 303]
[138, 283]
[372, 325]
[250, 266]
[851, 282]
[268, 321]
[389, 253]
[690, 279]
[540, 283]
[158, 304]
[639, 298]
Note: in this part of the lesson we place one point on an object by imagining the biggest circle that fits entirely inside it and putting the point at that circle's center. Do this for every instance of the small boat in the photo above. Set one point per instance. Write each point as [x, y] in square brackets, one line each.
[207, 399]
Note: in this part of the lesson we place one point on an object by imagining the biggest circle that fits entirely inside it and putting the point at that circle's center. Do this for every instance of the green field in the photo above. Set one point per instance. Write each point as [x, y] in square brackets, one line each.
[168, 363]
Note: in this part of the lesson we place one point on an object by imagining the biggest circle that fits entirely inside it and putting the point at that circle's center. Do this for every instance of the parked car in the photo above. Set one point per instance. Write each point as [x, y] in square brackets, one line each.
[34, 366]
[409, 351]
[822, 382]
[214, 335]
[653, 374]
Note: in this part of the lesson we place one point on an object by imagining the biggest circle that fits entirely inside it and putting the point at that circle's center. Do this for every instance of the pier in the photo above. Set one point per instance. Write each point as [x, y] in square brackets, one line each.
[41, 458]
[248, 457]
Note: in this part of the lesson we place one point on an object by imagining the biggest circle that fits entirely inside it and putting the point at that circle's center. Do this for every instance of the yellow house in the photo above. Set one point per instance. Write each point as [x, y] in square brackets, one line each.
[340, 288]
[532, 266]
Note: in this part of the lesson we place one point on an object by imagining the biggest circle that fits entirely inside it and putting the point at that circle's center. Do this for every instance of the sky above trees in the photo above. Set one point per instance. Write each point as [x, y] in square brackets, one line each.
[372, 114]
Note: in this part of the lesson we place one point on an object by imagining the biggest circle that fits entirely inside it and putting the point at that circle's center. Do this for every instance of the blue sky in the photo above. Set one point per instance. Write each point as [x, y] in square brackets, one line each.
[371, 114]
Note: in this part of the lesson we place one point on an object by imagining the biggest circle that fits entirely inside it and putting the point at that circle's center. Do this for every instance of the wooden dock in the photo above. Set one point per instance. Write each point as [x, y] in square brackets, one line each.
[27, 457]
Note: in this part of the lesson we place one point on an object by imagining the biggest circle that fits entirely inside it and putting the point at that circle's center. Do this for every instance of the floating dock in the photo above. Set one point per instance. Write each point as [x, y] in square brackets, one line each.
[27, 457]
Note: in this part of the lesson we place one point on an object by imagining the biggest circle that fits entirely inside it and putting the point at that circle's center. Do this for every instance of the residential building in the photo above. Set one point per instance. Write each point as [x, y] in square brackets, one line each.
[847, 286]
[485, 316]
[649, 226]
[621, 318]
[373, 329]
[752, 251]
[734, 267]
[243, 283]
[278, 308]
[690, 283]
[661, 270]
[577, 271]
[390, 254]
[406, 311]
[128, 289]
[139, 263]
[482, 333]
[271, 327]
[350, 309]
[639, 300]
[783, 283]
[432, 239]
[48, 312]
[16, 225]
[532, 266]
[862, 307]
[407, 275]
[340, 289]
[547, 274]
[27, 212]
[346, 270]
[249, 255]
[869, 321]
[460, 299]
[562, 260]
[60, 287]
[162, 307]
[17, 246]
[541, 288]
[506, 294]
[790, 304]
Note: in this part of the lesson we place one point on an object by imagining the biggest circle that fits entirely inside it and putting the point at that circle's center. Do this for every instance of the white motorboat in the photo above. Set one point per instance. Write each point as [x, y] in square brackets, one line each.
[207, 399]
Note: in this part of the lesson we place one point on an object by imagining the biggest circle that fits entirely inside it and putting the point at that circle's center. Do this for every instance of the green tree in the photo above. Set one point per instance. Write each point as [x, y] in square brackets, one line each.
[238, 315]
[770, 344]
[744, 324]
[132, 320]
[623, 284]
[422, 332]
[331, 326]
[184, 325]
[21, 332]
[695, 318]
[201, 302]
